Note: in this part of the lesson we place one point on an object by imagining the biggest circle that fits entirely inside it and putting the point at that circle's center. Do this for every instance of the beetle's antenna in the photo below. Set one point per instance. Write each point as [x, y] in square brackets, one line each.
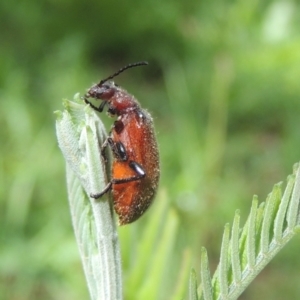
[137, 64]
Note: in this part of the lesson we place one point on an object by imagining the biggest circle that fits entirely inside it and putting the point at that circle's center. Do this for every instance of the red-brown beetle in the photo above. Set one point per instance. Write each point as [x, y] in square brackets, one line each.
[135, 167]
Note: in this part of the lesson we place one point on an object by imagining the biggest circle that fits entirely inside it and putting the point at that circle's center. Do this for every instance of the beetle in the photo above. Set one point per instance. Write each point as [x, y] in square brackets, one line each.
[135, 167]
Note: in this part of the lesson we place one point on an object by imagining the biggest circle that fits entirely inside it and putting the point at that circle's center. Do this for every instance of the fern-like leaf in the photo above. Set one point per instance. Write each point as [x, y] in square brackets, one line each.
[269, 227]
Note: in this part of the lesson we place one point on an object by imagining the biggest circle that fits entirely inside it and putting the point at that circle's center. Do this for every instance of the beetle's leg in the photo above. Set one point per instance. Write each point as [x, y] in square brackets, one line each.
[117, 149]
[103, 148]
[140, 173]
[120, 154]
[105, 190]
[99, 109]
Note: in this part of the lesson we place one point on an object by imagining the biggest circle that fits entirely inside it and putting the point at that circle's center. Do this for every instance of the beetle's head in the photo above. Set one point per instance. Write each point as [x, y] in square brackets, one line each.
[102, 91]
[116, 98]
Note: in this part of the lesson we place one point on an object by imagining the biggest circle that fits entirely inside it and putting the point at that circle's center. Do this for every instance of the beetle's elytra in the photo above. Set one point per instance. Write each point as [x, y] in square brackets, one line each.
[135, 167]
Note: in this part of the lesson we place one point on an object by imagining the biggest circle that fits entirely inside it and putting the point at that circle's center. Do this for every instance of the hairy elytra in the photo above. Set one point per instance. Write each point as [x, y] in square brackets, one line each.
[135, 167]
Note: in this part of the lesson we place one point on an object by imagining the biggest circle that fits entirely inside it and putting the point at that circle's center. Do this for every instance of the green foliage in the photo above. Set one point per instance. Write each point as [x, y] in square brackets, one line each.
[265, 233]
[223, 88]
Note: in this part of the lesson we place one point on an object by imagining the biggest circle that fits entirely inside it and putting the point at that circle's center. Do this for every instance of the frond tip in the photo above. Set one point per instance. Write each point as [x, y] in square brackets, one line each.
[269, 227]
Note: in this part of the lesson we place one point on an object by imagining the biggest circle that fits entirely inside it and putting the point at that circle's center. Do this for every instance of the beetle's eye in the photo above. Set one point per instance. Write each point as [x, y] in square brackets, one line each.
[106, 92]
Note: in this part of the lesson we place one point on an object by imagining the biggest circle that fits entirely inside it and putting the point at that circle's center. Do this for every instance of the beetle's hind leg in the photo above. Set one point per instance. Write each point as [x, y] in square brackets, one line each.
[105, 190]
[140, 173]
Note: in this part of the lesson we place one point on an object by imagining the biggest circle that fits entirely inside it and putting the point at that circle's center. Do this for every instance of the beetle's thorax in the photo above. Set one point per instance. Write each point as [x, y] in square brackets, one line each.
[122, 102]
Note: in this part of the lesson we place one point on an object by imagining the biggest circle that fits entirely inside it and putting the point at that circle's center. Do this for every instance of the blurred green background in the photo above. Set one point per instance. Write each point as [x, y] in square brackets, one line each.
[223, 88]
